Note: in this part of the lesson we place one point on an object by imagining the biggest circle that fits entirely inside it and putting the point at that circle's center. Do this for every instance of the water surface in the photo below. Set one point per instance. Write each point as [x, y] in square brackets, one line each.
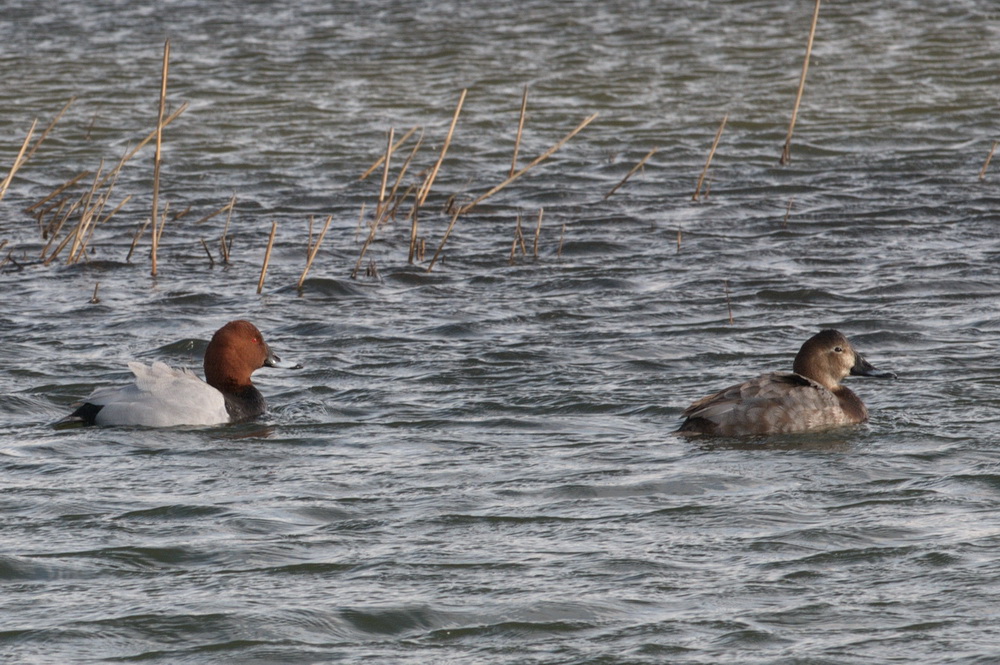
[477, 464]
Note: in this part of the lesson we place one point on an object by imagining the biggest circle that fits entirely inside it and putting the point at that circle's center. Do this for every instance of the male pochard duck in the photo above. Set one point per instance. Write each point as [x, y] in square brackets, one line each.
[810, 397]
[162, 396]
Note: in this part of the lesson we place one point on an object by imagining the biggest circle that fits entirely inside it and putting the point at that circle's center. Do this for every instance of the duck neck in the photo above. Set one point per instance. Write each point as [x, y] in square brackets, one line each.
[851, 404]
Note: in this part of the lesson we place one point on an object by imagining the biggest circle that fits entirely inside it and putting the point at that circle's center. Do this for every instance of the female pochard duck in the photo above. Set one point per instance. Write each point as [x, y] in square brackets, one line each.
[162, 396]
[810, 397]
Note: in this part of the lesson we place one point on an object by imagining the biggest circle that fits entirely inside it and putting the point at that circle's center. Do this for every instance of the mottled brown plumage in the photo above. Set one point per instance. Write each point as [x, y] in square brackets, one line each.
[808, 398]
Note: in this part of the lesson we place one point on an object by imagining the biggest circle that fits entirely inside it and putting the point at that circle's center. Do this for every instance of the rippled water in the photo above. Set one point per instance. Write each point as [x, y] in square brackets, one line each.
[477, 464]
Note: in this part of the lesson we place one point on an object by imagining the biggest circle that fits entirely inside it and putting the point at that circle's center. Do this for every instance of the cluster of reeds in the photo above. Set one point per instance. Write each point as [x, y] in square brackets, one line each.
[410, 201]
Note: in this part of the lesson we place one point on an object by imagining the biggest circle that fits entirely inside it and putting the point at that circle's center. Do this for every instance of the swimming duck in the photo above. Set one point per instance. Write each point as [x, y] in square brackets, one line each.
[162, 396]
[810, 397]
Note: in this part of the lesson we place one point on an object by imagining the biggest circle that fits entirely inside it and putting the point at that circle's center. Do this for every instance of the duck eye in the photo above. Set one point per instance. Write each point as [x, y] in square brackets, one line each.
[838, 349]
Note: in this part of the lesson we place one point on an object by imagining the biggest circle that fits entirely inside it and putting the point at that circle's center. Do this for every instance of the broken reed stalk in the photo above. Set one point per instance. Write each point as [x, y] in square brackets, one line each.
[364, 247]
[313, 251]
[982, 171]
[628, 175]
[535, 162]
[57, 191]
[211, 260]
[425, 189]
[451, 225]
[135, 240]
[520, 130]
[513, 244]
[18, 161]
[85, 216]
[538, 231]
[538, 160]
[708, 162]
[562, 236]
[378, 162]
[788, 212]
[225, 208]
[729, 304]
[385, 174]
[48, 129]
[94, 299]
[225, 231]
[786, 155]
[402, 172]
[267, 257]
[159, 146]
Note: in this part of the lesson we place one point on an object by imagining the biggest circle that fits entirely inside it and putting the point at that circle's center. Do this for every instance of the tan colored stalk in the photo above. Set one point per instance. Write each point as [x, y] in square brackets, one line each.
[451, 225]
[628, 175]
[48, 129]
[562, 236]
[399, 143]
[225, 231]
[159, 150]
[786, 155]
[18, 161]
[708, 162]
[313, 251]
[538, 231]
[538, 160]
[429, 182]
[982, 171]
[385, 174]
[520, 130]
[57, 191]
[267, 257]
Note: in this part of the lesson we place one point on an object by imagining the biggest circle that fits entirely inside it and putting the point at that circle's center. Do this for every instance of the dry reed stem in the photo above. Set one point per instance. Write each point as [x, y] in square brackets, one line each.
[538, 231]
[94, 299]
[385, 174]
[562, 236]
[451, 225]
[210, 215]
[45, 133]
[411, 253]
[55, 234]
[399, 143]
[786, 154]
[211, 260]
[429, 182]
[729, 304]
[85, 216]
[364, 247]
[513, 247]
[628, 175]
[57, 191]
[538, 160]
[678, 240]
[708, 162]
[225, 231]
[520, 130]
[18, 161]
[361, 218]
[267, 257]
[159, 149]
[399, 177]
[313, 251]
[135, 239]
[982, 171]
[142, 144]
[788, 212]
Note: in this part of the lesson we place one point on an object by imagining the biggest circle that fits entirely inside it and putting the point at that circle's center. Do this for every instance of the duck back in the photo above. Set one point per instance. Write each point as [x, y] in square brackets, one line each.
[776, 403]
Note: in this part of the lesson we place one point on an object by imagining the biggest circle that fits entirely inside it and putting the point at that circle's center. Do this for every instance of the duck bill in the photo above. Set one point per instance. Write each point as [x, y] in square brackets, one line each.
[864, 368]
[273, 360]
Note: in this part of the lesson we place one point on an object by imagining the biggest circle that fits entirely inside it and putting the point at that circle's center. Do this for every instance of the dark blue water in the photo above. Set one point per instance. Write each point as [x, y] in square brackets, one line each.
[476, 463]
